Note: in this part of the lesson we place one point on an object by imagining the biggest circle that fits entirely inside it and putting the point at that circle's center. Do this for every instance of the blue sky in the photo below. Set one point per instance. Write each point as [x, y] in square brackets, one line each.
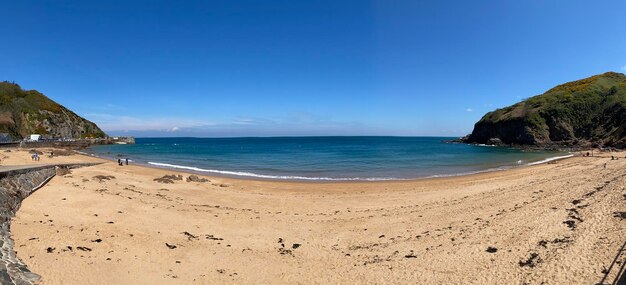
[275, 68]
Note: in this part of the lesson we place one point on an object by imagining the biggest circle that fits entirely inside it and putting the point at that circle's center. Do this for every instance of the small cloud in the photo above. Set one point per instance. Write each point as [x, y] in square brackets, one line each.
[245, 121]
[624, 68]
[109, 122]
[469, 110]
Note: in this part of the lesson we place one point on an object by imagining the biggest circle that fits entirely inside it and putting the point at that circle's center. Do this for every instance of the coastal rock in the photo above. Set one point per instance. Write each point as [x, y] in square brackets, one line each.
[195, 178]
[582, 113]
[169, 179]
[163, 180]
[62, 171]
[173, 177]
[494, 141]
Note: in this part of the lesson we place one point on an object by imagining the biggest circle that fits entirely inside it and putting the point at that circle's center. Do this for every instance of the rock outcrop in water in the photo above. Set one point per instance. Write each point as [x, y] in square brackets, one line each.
[587, 112]
[25, 112]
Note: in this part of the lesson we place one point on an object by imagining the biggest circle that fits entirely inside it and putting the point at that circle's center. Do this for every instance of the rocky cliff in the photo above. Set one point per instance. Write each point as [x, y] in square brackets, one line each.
[25, 112]
[586, 112]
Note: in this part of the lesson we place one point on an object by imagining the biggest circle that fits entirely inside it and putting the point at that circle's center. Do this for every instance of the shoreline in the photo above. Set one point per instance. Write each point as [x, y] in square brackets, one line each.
[468, 176]
[276, 178]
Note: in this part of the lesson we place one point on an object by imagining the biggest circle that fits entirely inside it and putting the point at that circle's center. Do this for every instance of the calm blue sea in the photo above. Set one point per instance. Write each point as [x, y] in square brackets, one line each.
[322, 158]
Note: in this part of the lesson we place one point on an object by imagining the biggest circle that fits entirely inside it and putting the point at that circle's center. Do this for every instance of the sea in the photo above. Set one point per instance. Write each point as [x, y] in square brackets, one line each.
[323, 158]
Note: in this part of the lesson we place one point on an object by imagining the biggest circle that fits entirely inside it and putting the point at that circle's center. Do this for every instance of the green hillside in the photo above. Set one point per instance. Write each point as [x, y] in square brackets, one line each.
[25, 112]
[590, 111]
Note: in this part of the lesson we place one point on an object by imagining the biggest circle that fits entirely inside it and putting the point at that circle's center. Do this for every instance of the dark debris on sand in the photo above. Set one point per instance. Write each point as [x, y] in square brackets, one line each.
[212, 237]
[190, 236]
[570, 224]
[102, 178]
[531, 261]
[83, 248]
[283, 250]
[491, 249]
[411, 255]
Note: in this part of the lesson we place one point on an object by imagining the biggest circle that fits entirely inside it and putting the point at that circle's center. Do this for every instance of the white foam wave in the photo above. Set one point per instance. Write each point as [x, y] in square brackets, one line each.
[505, 167]
[255, 175]
[469, 172]
[289, 177]
[550, 159]
[85, 153]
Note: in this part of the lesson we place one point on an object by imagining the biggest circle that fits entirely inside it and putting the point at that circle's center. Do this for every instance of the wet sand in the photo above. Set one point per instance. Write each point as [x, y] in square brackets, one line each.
[558, 223]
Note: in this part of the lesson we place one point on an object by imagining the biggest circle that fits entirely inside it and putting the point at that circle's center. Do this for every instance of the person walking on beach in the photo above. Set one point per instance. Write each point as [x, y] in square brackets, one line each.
[126, 161]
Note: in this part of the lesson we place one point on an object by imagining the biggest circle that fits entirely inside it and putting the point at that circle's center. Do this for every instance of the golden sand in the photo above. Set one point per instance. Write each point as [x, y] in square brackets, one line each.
[557, 223]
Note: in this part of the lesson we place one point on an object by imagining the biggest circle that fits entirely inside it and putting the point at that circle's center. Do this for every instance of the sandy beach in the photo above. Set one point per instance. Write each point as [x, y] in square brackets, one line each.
[557, 223]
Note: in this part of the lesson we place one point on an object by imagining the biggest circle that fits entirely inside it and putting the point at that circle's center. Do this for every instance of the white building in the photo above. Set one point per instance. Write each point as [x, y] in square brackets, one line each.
[34, 138]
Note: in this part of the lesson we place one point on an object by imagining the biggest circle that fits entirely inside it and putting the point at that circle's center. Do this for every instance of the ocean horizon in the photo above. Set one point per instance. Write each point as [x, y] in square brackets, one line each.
[323, 158]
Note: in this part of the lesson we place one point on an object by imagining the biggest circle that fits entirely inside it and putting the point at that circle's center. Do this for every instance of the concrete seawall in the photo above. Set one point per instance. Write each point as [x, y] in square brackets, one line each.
[16, 184]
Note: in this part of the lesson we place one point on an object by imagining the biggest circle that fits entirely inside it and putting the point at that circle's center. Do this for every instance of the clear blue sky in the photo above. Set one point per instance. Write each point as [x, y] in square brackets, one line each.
[267, 68]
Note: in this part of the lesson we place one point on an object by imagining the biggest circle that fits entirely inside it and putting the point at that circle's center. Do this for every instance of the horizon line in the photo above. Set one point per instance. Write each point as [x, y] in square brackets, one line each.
[303, 136]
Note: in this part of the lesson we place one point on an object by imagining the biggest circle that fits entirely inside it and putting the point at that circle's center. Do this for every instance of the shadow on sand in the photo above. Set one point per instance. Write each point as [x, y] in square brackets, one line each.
[620, 261]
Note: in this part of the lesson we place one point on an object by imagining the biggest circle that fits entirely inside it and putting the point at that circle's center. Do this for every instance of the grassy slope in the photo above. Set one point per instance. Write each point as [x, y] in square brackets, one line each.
[16, 103]
[582, 108]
